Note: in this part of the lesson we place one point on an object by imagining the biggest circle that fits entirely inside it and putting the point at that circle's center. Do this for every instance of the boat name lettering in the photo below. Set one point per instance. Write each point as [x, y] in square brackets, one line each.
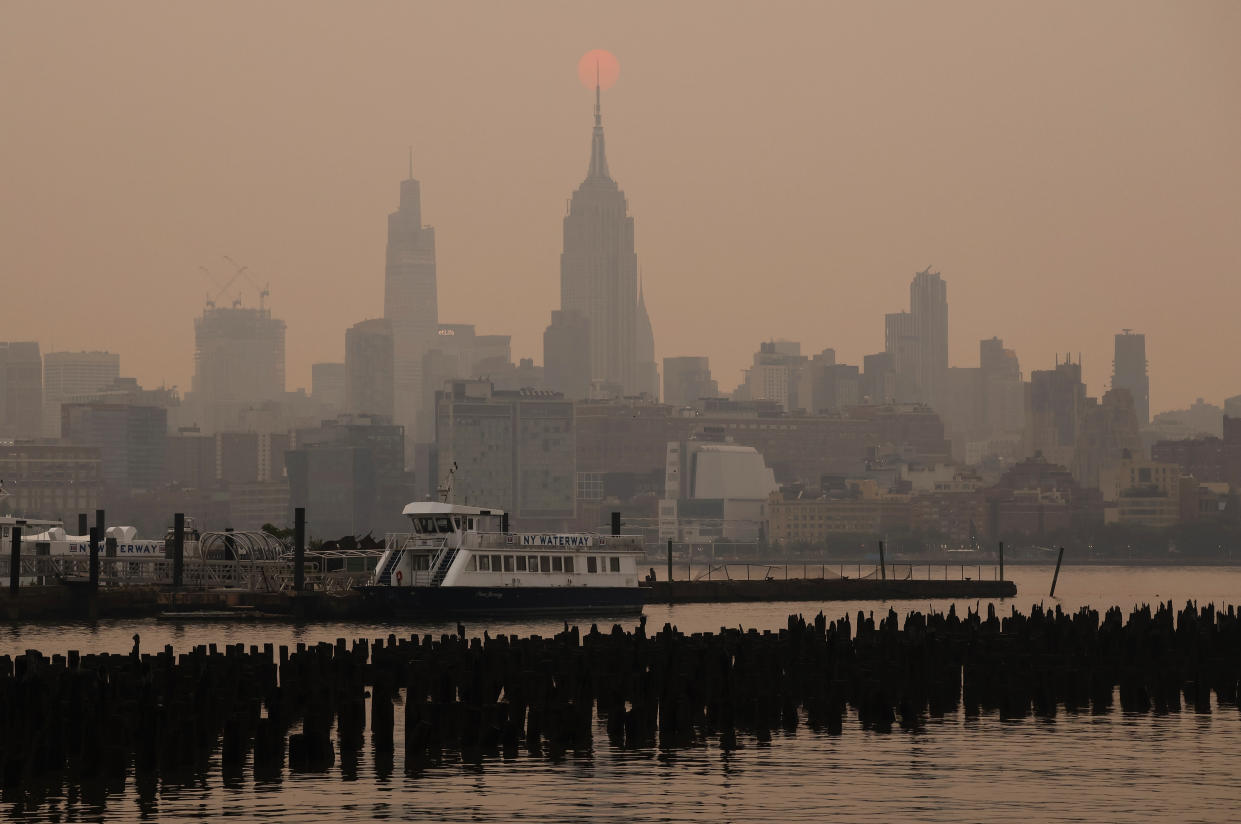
[556, 540]
[135, 548]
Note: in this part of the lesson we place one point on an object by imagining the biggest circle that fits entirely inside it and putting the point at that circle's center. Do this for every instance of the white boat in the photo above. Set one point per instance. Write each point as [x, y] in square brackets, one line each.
[462, 560]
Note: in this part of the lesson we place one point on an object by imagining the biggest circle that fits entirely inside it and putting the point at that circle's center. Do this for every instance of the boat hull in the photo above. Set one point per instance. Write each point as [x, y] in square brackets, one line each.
[453, 601]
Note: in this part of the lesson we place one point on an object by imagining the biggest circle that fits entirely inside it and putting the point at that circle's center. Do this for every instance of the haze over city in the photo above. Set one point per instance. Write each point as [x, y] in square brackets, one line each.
[1071, 170]
[647, 411]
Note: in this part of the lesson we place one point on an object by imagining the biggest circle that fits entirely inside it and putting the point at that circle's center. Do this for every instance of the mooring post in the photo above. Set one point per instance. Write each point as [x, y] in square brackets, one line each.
[99, 520]
[15, 559]
[83, 523]
[94, 557]
[178, 548]
[299, 549]
[1056, 576]
[670, 572]
[616, 523]
[1001, 560]
[883, 565]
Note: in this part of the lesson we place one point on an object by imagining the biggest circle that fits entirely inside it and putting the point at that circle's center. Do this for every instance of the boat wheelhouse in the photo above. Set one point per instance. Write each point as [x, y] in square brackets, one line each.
[462, 559]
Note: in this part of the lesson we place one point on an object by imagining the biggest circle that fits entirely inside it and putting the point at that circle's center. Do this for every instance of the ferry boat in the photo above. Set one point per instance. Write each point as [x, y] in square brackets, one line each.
[462, 560]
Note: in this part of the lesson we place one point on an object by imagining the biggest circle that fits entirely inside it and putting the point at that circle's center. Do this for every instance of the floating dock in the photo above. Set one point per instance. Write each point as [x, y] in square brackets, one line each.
[76, 600]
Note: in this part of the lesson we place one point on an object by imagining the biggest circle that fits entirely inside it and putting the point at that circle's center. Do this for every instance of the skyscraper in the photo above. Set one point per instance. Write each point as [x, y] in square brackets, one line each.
[238, 362]
[368, 368]
[21, 389]
[900, 340]
[599, 269]
[411, 307]
[1129, 372]
[1055, 406]
[928, 303]
[327, 385]
[918, 339]
[69, 374]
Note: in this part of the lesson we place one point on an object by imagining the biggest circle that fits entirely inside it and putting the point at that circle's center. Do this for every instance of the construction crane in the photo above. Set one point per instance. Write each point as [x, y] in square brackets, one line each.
[221, 289]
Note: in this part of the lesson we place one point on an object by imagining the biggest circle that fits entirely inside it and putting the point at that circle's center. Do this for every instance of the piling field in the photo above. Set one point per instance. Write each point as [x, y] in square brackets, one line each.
[92, 721]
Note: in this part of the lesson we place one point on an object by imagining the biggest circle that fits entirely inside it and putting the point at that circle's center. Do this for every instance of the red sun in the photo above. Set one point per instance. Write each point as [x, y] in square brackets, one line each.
[605, 62]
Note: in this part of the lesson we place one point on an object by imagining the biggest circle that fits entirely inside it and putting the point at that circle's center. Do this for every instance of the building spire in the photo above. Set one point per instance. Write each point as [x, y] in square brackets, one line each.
[598, 159]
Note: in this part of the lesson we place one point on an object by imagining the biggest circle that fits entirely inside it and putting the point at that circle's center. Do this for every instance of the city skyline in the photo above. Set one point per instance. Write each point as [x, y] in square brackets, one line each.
[1116, 199]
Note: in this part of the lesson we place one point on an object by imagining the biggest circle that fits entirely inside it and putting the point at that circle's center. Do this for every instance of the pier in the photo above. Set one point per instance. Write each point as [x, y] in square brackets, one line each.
[825, 589]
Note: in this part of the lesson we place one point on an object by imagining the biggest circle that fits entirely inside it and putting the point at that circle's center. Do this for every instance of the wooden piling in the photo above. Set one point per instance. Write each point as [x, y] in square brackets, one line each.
[670, 572]
[1056, 576]
[1001, 560]
[883, 567]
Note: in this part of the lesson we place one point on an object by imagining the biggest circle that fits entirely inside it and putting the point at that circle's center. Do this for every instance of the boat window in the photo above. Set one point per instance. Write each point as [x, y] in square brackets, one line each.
[614, 564]
[521, 563]
[545, 563]
[568, 564]
[508, 563]
[484, 563]
[557, 565]
[496, 563]
[456, 523]
[443, 524]
[422, 562]
[592, 564]
[534, 563]
[469, 524]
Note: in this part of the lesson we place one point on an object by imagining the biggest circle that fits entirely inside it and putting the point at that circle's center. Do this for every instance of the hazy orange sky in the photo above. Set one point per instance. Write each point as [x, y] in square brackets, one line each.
[1071, 168]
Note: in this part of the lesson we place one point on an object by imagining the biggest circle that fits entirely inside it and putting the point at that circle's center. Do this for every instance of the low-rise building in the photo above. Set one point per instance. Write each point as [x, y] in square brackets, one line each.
[45, 479]
[799, 518]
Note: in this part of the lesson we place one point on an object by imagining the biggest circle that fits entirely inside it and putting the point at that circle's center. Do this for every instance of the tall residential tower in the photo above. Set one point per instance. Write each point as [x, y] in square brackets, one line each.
[411, 308]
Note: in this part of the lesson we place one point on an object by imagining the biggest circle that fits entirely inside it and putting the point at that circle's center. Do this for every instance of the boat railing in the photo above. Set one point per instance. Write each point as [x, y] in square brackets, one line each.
[412, 540]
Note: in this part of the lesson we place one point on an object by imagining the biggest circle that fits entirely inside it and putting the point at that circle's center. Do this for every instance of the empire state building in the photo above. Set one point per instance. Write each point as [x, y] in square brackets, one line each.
[599, 270]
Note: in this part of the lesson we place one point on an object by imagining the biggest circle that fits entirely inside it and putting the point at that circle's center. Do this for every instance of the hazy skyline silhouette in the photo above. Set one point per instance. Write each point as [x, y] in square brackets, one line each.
[1071, 169]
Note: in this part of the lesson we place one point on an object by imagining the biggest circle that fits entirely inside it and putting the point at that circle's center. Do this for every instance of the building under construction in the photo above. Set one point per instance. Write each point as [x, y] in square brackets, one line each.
[238, 362]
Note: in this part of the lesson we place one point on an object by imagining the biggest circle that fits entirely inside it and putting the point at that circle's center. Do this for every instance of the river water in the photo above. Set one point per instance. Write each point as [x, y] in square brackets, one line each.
[1111, 768]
